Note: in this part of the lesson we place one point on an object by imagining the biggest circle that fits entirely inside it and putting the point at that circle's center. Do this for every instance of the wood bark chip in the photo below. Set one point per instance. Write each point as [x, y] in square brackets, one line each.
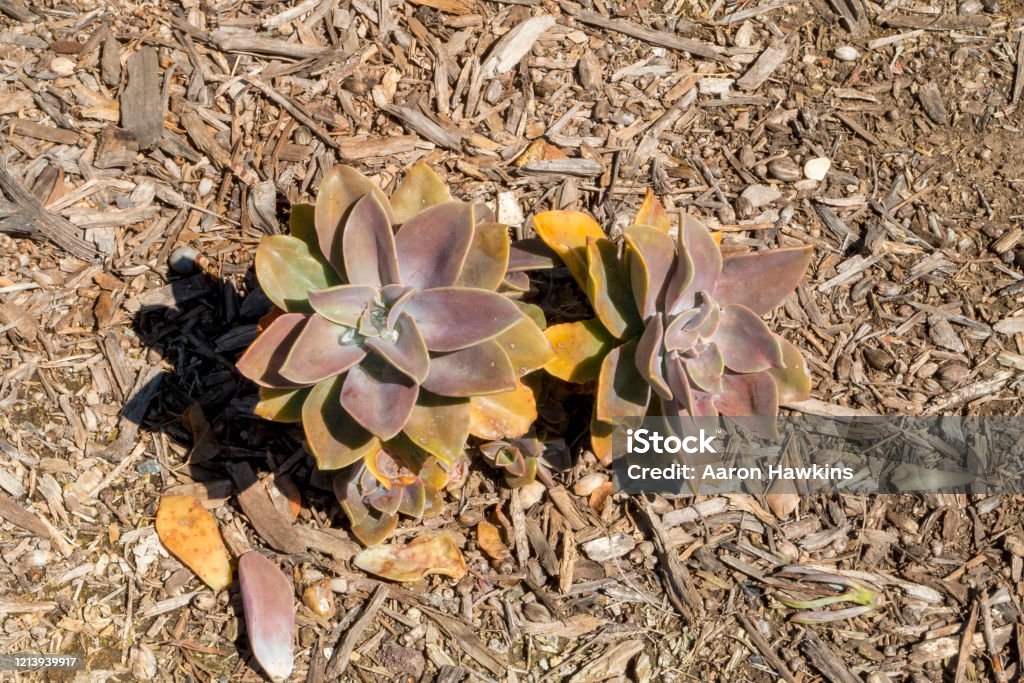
[343, 651]
[654, 37]
[26, 216]
[774, 56]
[514, 45]
[931, 102]
[266, 519]
[221, 158]
[142, 106]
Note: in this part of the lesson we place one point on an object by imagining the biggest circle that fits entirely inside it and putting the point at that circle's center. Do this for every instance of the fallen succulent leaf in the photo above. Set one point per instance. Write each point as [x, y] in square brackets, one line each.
[489, 539]
[204, 442]
[189, 531]
[411, 562]
[269, 605]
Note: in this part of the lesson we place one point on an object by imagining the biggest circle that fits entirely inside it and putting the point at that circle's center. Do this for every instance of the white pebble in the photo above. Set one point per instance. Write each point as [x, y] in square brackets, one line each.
[530, 494]
[62, 66]
[588, 483]
[205, 185]
[847, 53]
[817, 168]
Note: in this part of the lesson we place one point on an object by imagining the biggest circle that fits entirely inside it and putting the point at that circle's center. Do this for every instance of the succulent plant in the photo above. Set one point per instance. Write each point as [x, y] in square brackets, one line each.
[374, 492]
[518, 459]
[678, 328]
[385, 333]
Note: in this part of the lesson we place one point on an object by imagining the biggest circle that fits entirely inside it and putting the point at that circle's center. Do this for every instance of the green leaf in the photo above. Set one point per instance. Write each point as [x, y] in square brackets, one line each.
[281, 405]
[420, 189]
[287, 271]
[609, 290]
[333, 437]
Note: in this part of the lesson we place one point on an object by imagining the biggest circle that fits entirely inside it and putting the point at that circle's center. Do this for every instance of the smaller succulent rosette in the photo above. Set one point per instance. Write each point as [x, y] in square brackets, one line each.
[679, 329]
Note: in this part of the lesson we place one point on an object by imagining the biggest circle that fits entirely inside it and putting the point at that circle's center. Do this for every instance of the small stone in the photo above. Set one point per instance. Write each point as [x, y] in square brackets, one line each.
[186, 260]
[847, 53]
[784, 169]
[878, 359]
[953, 374]
[205, 186]
[531, 494]
[143, 662]
[754, 197]
[588, 483]
[62, 66]
[817, 168]
[536, 613]
[608, 547]
[969, 7]
[991, 6]
[319, 598]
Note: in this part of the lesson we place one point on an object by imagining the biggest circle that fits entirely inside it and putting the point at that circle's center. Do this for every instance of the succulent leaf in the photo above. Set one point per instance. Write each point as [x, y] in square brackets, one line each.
[609, 290]
[340, 189]
[287, 271]
[601, 440]
[420, 189]
[526, 346]
[705, 370]
[268, 600]
[761, 280]
[567, 232]
[189, 531]
[792, 379]
[650, 357]
[379, 397]
[411, 562]
[746, 343]
[750, 394]
[404, 349]
[531, 254]
[579, 349]
[705, 259]
[321, 351]
[621, 390]
[441, 316]
[487, 261]
[302, 225]
[473, 371]
[652, 213]
[433, 244]
[281, 405]
[343, 304]
[369, 245]
[262, 361]
[504, 415]
[439, 425]
[650, 255]
[334, 438]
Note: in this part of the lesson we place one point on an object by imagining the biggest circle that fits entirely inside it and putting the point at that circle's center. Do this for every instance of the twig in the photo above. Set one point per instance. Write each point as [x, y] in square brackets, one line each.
[339, 658]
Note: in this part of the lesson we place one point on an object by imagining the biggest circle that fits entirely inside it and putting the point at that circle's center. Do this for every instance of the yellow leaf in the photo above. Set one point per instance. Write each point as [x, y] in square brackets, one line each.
[489, 539]
[652, 213]
[411, 562]
[601, 440]
[579, 349]
[539, 150]
[189, 531]
[505, 415]
[566, 232]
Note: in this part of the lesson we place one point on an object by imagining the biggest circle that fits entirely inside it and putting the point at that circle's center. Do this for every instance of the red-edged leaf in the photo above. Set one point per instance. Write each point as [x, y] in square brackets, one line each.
[746, 343]
[761, 280]
[379, 397]
[262, 361]
[650, 255]
[705, 260]
[487, 260]
[334, 438]
[420, 189]
[369, 245]
[343, 304]
[432, 245]
[621, 390]
[453, 318]
[406, 351]
[439, 426]
[650, 357]
[473, 371]
[609, 291]
[269, 603]
[340, 189]
[793, 379]
[319, 352]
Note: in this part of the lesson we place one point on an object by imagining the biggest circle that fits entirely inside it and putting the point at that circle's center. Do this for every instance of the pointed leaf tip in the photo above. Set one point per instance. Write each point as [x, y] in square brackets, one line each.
[269, 604]
[190, 532]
